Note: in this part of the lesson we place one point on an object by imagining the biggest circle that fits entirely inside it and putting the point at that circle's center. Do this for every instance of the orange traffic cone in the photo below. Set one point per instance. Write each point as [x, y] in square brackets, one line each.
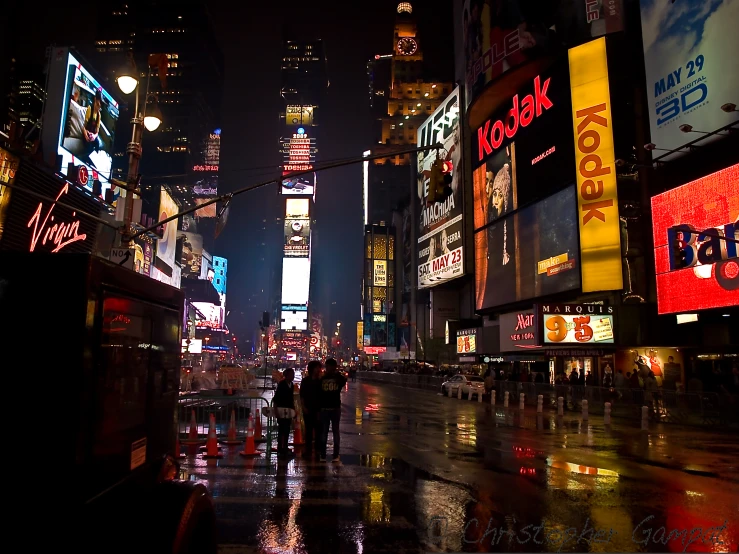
[249, 449]
[297, 433]
[212, 445]
[232, 431]
[192, 437]
[258, 435]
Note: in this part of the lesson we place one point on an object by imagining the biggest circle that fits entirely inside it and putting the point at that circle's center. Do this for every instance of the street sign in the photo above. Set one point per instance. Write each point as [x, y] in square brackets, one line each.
[123, 256]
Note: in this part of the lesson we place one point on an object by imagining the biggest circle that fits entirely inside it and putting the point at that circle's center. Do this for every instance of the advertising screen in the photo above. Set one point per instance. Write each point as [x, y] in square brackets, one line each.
[690, 68]
[8, 167]
[299, 115]
[466, 341]
[379, 273]
[294, 317]
[302, 184]
[295, 280]
[577, 323]
[529, 253]
[167, 245]
[211, 314]
[440, 233]
[297, 208]
[208, 211]
[500, 36]
[192, 253]
[524, 150]
[518, 331]
[703, 271]
[195, 346]
[595, 160]
[297, 238]
[89, 120]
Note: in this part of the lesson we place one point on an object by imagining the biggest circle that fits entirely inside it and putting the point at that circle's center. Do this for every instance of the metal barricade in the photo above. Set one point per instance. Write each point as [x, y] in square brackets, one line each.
[221, 407]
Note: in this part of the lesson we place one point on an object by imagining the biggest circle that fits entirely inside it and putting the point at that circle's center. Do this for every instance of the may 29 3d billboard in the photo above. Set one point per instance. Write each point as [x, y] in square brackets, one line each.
[441, 231]
[701, 271]
[81, 117]
[690, 59]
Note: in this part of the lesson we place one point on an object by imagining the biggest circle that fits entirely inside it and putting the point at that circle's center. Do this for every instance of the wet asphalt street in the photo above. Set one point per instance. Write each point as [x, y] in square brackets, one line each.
[422, 472]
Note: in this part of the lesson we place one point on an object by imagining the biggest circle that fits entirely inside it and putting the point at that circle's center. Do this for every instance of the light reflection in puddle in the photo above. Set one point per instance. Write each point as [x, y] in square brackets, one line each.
[583, 470]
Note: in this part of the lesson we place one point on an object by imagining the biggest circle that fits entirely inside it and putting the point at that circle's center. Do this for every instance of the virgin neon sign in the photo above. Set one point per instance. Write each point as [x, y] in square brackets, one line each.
[60, 234]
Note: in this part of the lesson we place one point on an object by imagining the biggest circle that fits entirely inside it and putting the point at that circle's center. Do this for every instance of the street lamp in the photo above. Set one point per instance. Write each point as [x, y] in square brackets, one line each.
[128, 82]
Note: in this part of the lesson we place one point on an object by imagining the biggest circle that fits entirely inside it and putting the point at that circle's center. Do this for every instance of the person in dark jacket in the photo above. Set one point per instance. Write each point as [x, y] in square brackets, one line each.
[284, 399]
[331, 384]
[310, 398]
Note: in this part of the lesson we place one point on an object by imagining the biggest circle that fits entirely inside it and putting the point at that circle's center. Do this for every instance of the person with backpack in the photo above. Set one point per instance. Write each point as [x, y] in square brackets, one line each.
[331, 385]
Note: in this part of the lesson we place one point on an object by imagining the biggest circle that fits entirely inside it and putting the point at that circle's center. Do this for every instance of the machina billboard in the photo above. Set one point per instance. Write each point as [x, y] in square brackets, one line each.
[440, 244]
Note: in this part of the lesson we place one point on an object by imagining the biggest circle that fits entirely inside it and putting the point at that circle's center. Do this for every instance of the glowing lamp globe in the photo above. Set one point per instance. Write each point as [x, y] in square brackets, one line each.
[152, 122]
[127, 83]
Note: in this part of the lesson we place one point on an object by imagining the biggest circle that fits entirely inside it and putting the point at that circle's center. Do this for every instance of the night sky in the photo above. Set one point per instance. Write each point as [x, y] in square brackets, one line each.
[251, 42]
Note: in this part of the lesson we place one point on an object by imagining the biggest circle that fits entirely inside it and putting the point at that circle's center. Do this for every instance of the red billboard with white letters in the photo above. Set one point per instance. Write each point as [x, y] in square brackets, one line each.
[697, 267]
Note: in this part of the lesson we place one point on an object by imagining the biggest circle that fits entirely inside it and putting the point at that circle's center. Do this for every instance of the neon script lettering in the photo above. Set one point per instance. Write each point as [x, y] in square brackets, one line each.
[491, 136]
[60, 234]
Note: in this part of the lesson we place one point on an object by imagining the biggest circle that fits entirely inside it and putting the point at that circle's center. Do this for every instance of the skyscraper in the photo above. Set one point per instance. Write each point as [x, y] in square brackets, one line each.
[304, 82]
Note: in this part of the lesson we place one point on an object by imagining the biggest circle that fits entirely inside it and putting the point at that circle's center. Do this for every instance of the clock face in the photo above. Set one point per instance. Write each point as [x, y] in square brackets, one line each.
[407, 46]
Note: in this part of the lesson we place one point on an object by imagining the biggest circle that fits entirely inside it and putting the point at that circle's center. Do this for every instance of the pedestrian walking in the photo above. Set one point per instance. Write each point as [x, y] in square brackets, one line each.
[284, 399]
[310, 398]
[331, 385]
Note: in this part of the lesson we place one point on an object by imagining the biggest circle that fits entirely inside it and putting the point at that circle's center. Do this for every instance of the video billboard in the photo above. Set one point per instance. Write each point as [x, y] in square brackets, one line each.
[192, 253]
[524, 150]
[294, 317]
[577, 324]
[298, 115]
[167, 245]
[466, 341]
[500, 36]
[530, 253]
[88, 117]
[440, 244]
[210, 316]
[297, 238]
[297, 208]
[518, 331]
[295, 280]
[690, 59]
[703, 272]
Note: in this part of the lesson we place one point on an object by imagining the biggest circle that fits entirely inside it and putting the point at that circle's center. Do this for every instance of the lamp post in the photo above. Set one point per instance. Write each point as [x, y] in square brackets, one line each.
[128, 82]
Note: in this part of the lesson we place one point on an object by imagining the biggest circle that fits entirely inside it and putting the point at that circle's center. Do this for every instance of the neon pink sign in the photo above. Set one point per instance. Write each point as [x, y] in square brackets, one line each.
[58, 233]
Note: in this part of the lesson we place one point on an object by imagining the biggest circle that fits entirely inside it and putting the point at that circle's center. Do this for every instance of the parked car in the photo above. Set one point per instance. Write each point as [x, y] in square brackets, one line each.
[472, 385]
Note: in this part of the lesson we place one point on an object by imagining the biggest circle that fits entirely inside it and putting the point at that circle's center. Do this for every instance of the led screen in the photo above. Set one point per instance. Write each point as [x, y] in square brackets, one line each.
[88, 124]
[195, 346]
[302, 184]
[166, 246]
[467, 341]
[709, 205]
[530, 253]
[297, 238]
[295, 280]
[296, 319]
[211, 314]
[297, 208]
[578, 329]
[191, 259]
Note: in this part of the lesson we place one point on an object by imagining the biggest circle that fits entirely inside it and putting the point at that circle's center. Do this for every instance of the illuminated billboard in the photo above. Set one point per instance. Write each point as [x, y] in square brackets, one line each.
[595, 160]
[191, 259]
[195, 346]
[529, 253]
[440, 245]
[518, 331]
[294, 318]
[690, 69]
[209, 316]
[88, 115]
[295, 280]
[466, 341]
[379, 273]
[302, 184]
[298, 115]
[577, 324]
[297, 208]
[297, 238]
[167, 245]
[299, 154]
[700, 271]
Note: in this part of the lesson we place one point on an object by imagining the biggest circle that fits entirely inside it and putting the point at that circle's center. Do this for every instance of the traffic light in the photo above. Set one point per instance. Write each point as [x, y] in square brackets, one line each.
[440, 181]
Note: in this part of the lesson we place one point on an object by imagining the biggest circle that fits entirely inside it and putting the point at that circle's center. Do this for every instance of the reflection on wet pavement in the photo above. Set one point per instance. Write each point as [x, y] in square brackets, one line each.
[424, 473]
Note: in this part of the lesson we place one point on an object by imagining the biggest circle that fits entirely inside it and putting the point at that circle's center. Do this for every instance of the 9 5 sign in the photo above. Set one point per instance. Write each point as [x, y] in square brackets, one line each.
[578, 329]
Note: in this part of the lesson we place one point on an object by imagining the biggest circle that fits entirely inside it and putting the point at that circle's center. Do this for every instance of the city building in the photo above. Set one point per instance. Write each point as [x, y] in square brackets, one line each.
[23, 104]
[402, 95]
[303, 87]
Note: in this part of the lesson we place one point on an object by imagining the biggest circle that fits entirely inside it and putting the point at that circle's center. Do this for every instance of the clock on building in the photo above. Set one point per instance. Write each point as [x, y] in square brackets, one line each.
[407, 46]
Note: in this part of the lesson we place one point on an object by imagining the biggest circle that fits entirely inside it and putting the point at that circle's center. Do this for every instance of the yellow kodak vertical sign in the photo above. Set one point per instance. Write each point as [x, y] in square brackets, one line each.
[597, 198]
[360, 335]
